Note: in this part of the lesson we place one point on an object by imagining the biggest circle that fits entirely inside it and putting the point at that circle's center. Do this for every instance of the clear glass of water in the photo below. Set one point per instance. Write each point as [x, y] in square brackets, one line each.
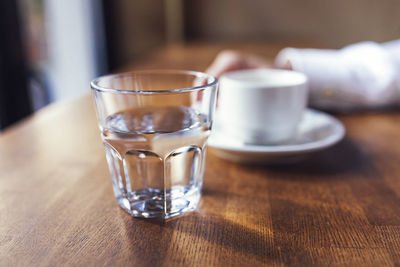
[154, 126]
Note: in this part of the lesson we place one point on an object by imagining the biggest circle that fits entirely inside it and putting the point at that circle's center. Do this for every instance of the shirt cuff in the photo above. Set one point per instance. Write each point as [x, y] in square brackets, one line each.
[358, 76]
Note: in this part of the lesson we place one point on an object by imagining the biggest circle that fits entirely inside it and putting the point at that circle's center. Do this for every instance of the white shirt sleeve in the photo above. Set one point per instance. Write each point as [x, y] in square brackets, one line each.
[362, 75]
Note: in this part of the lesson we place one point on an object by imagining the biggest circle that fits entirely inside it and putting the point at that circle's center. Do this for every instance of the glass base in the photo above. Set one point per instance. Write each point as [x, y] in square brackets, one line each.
[159, 204]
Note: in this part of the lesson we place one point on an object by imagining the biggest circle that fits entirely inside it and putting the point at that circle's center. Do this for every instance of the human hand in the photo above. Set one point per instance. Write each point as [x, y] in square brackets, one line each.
[230, 60]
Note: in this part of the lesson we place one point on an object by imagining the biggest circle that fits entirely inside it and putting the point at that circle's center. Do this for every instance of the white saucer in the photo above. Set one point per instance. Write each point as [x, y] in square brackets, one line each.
[317, 131]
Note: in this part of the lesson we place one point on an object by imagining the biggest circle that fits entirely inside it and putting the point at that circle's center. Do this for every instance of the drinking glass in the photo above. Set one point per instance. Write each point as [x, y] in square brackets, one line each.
[154, 125]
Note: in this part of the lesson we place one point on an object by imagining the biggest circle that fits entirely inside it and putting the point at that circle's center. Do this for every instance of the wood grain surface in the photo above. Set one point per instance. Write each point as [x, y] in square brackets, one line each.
[340, 206]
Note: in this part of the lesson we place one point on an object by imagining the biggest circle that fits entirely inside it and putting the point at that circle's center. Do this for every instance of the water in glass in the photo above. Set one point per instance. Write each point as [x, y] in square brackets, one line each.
[156, 157]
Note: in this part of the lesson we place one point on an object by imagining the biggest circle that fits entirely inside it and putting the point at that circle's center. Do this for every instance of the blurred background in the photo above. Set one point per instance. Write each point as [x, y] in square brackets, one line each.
[51, 49]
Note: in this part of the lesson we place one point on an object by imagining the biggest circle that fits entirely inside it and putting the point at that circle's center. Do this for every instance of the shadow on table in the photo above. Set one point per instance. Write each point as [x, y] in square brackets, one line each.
[148, 240]
[157, 241]
[344, 157]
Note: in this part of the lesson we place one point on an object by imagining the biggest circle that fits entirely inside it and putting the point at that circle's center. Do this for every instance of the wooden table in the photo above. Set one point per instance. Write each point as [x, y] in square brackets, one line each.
[339, 207]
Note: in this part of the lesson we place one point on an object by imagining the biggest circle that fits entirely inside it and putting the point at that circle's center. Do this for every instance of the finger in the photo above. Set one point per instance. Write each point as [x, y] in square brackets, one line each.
[253, 62]
[225, 61]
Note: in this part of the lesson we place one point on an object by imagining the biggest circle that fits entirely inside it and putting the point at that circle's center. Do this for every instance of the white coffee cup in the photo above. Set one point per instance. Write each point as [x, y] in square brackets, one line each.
[261, 106]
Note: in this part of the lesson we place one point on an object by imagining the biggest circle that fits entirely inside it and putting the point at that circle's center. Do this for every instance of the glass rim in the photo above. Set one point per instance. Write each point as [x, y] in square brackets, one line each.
[197, 74]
